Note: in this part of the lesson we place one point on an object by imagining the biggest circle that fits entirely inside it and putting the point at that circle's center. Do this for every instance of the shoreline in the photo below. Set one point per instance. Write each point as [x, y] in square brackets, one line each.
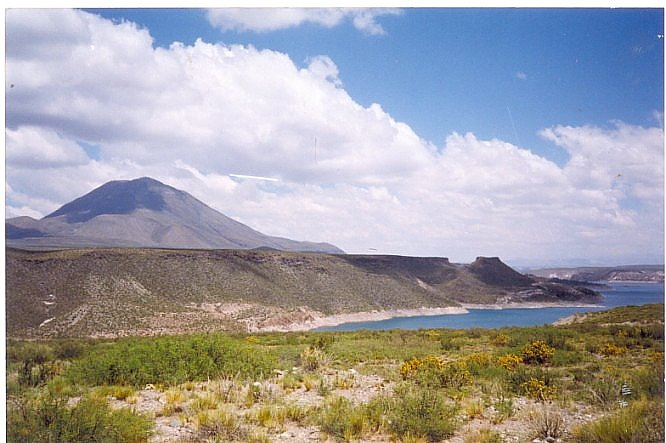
[315, 321]
[530, 305]
[359, 317]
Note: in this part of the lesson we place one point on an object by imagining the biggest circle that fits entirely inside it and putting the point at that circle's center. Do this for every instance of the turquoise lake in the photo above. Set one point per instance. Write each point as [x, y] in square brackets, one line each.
[615, 294]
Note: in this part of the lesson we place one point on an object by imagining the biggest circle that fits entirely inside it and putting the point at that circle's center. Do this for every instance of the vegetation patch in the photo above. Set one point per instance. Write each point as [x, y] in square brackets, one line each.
[170, 361]
[49, 418]
[642, 421]
[424, 413]
[408, 386]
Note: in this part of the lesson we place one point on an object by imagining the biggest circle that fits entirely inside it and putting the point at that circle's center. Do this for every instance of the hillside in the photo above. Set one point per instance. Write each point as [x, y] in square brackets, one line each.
[143, 213]
[110, 292]
[644, 273]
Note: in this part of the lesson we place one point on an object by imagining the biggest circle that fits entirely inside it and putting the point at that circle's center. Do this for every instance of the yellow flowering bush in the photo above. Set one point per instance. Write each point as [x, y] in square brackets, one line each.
[537, 352]
[538, 390]
[610, 349]
[480, 359]
[414, 365]
[509, 361]
[435, 371]
[499, 340]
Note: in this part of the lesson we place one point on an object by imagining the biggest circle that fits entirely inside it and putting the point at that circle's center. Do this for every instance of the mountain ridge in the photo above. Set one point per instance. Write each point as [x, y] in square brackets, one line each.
[143, 213]
[132, 291]
[645, 273]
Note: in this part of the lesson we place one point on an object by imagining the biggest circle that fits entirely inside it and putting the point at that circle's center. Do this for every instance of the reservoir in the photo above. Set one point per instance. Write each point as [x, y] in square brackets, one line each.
[615, 294]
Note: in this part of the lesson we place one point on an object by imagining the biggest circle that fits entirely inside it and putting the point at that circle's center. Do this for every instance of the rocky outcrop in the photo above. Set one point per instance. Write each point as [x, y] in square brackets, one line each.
[557, 293]
[492, 271]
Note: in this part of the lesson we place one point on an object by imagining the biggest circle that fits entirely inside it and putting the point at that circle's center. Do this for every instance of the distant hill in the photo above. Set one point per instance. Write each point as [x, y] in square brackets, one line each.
[641, 273]
[493, 271]
[127, 291]
[143, 213]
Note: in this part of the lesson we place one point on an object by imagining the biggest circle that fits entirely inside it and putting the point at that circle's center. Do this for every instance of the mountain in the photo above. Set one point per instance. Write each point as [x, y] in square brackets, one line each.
[130, 291]
[643, 273]
[493, 271]
[143, 213]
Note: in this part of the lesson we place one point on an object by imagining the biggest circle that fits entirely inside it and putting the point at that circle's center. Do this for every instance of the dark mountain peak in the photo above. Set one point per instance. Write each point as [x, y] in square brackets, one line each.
[144, 213]
[493, 271]
[486, 260]
[115, 197]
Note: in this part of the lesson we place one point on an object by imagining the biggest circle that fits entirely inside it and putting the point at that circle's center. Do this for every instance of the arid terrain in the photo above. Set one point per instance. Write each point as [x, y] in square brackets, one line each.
[597, 379]
[123, 292]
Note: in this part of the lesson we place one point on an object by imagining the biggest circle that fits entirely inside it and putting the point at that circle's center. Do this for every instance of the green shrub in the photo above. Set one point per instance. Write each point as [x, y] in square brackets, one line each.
[641, 421]
[118, 392]
[291, 380]
[220, 424]
[269, 415]
[449, 344]
[422, 412]
[484, 436]
[567, 358]
[298, 414]
[604, 391]
[32, 375]
[323, 341]
[556, 338]
[30, 352]
[343, 421]
[475, 410]
[204, 402]
[35, 361]
[503, 410]
[49, 419]
[171, 361]
[313, 358]
[68, 349]
[516, 379]
[649, 381]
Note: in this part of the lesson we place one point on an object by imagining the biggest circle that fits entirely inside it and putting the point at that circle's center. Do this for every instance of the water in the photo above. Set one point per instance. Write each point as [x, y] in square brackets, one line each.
[615, 294]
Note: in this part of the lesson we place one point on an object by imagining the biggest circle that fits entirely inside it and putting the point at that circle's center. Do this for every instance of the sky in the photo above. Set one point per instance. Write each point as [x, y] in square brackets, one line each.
[535, 135]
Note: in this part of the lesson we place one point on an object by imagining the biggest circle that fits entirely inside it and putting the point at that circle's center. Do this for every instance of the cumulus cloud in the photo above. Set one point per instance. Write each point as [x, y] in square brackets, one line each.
[40, 148]
[203, 116]
[273, 19]
[625, 158]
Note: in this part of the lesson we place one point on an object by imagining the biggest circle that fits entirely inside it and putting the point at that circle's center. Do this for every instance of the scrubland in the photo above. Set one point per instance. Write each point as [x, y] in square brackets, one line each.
[598, 379]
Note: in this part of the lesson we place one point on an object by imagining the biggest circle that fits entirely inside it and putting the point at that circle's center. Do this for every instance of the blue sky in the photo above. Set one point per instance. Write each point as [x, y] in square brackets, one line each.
[535, 135]
[500, 73]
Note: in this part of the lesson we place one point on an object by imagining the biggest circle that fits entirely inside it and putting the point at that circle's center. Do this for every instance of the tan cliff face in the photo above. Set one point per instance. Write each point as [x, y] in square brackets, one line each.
[107, 292]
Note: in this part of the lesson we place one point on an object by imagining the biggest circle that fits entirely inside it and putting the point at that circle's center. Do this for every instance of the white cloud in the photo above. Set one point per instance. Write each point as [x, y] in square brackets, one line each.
[626, 159]
[323, 67]
[272, 19]
[520, 75]
[40, 148]
[193, 116]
